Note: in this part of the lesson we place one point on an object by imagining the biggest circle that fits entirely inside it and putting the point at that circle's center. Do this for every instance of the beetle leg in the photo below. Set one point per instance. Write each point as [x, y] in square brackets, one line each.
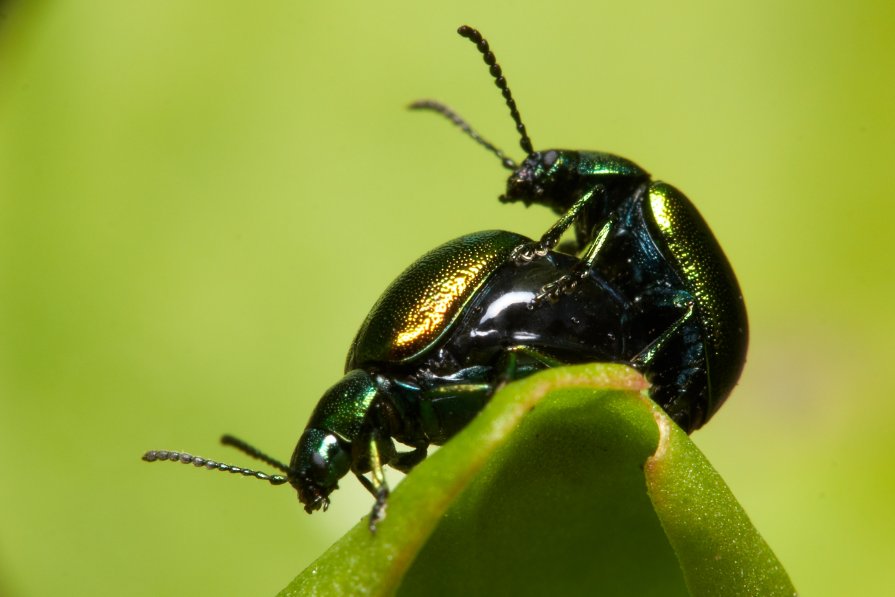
[645, 356]
[506, 367]
[377, 453]
[552, 291]
[407, 460]
[377, 514]
[681, 388]
[445, 410]
[368, 485]
[508, 364]
[528, 252]
[538, 355]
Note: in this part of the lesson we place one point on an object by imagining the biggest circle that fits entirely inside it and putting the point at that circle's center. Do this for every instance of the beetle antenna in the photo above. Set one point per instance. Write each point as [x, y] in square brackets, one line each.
[482, 44]
[154, 455]
[464, 126]
[229, 440]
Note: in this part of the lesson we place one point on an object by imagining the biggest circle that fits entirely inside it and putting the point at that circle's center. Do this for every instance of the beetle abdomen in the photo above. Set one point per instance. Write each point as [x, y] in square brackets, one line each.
[583, 326]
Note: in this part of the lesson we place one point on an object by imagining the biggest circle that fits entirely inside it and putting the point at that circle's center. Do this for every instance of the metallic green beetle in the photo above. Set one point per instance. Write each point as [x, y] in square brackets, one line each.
[648, 285]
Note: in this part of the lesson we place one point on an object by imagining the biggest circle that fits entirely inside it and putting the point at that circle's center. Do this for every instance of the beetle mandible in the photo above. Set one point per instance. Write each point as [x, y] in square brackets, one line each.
[649, 286]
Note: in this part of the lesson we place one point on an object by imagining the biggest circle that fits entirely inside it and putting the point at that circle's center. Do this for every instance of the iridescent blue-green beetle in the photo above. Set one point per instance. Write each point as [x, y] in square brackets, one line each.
[647, 285]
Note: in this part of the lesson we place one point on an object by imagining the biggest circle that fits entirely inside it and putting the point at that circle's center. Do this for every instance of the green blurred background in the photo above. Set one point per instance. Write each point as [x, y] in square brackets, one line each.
[199, 202]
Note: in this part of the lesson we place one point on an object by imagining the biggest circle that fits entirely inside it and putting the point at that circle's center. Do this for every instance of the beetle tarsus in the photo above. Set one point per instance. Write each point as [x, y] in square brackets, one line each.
[553, 291]
[377, 514]
[528, 252]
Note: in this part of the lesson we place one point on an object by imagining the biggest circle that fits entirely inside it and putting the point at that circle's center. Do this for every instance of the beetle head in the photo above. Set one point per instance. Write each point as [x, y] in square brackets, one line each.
[319, 461]
[538, 179]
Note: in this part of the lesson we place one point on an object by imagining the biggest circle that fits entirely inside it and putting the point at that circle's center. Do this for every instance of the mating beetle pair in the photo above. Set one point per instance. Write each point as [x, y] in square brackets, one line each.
[648, 285]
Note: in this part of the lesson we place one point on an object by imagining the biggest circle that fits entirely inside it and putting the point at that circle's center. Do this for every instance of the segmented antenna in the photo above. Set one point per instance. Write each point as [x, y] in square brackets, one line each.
[464, 126]
[229, 440]
[482, 44]
[198, 461]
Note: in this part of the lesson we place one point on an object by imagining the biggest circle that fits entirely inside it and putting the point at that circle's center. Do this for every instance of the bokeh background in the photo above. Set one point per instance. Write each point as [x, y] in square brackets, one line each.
[199, 202]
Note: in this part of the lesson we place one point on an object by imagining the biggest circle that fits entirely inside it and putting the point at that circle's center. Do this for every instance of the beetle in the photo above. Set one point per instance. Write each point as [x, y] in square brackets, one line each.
[646, 284]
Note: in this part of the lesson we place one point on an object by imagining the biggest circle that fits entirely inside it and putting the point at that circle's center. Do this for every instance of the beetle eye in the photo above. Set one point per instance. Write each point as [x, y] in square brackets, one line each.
[550, 158]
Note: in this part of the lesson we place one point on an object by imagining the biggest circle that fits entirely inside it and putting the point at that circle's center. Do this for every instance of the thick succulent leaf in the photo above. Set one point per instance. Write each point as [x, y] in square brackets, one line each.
[570, 480]
[720, 551]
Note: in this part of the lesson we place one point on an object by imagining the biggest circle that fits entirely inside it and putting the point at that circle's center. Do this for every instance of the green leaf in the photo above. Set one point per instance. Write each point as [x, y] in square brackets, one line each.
[720, 551]
[570, 480]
